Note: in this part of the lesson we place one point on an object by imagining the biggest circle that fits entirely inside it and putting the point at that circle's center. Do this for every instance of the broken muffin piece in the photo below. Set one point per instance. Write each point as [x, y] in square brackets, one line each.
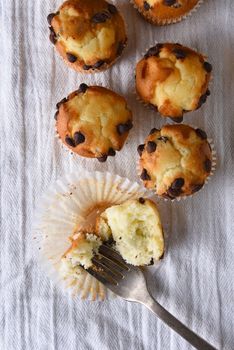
[84, 247]
[136, 229]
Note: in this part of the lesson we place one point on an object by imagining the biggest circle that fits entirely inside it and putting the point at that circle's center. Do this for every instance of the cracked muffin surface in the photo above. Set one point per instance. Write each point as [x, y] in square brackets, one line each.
[175, 161]
[93, 122]
[88, 34]
[165, 11]
[174, 79]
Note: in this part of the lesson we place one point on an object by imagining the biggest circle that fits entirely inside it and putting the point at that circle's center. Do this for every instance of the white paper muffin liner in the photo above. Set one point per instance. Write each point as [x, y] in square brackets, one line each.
[71, 203]
[213, 168]
[164, 22]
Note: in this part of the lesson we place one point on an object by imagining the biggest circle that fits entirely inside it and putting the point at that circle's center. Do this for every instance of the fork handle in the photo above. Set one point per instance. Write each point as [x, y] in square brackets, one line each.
[177, 326]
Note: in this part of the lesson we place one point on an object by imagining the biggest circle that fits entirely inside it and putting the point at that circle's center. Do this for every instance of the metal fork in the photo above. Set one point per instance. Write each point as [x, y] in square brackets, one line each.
[129, 283]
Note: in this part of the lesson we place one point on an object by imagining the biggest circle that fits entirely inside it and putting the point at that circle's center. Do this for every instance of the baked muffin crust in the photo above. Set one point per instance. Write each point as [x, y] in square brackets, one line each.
[88, 34]
[165, 11]
[174, 79]
[175, 161]
[93, 121]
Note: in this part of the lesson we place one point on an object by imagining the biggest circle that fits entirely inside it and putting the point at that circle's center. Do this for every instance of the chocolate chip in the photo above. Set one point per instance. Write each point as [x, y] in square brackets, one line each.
[50, 17]
[146, 6]
[177, 119]
[111, 152]
[120, 48]
[100, 17]
[152, 131]
[201, 134]
[163, 138]
[155, 108]
[144, 175]
[140, 149]
[154, 51]
[151, 147]
[173, 192]
[207, 92]
[167, 196]
[102, 159]
[71, 58]
[79, 138]
[169, 2]
[61, 102]
[87, 67]
[70, 141]
[112, 9]
[122, 128]
[56, 115]
[52, 30]
[177, 183]
[179, 53]
[196, 188]
[98, 64]
[207, 165]
[207, 66]
[202, 100]
[83, 87]
[151, 262]
[110, 241]
[141, 200]
[53, 37]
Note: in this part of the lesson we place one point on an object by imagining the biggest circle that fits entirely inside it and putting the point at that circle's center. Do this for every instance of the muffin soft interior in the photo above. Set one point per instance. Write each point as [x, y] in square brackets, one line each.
[136, 229]
[82, 250]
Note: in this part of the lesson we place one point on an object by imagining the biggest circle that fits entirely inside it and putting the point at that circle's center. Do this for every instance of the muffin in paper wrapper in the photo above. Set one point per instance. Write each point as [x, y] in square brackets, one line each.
[213, 168]
[72, 204]
[164, 22]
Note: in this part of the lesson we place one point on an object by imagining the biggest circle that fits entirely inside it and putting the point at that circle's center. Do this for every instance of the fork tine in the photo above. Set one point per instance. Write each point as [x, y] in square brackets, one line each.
[111, 263]
[99, 262]
[113, 256]
[102, 276]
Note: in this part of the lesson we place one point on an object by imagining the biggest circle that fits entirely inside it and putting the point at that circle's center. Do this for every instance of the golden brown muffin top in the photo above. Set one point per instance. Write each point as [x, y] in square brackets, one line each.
[94, 122]
[175, 161]
[88, 33]
[173, 78]
[165, 10]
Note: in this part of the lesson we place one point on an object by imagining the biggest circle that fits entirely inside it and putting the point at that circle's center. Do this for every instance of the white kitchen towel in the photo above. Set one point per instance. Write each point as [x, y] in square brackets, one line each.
[196, 279]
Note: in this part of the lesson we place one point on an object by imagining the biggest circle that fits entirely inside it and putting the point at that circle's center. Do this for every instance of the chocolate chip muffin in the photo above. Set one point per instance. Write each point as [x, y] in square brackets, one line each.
[173, 79]
[136, 229]
[175, 161]
[88, 34]
[162, 12]
[93, 122]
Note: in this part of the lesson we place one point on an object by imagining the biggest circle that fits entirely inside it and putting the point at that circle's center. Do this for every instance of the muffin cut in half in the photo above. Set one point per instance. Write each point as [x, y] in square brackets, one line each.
[162, 12]
[175, 161]
[136, 229]
[88, 34]
[93, 122]
[173, 79]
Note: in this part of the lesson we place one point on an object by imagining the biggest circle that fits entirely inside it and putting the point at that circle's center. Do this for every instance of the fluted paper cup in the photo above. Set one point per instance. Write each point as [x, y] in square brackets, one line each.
[71, 204]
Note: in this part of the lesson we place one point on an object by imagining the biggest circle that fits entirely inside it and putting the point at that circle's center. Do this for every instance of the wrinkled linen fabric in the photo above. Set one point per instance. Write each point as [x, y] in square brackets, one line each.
[195, 281]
